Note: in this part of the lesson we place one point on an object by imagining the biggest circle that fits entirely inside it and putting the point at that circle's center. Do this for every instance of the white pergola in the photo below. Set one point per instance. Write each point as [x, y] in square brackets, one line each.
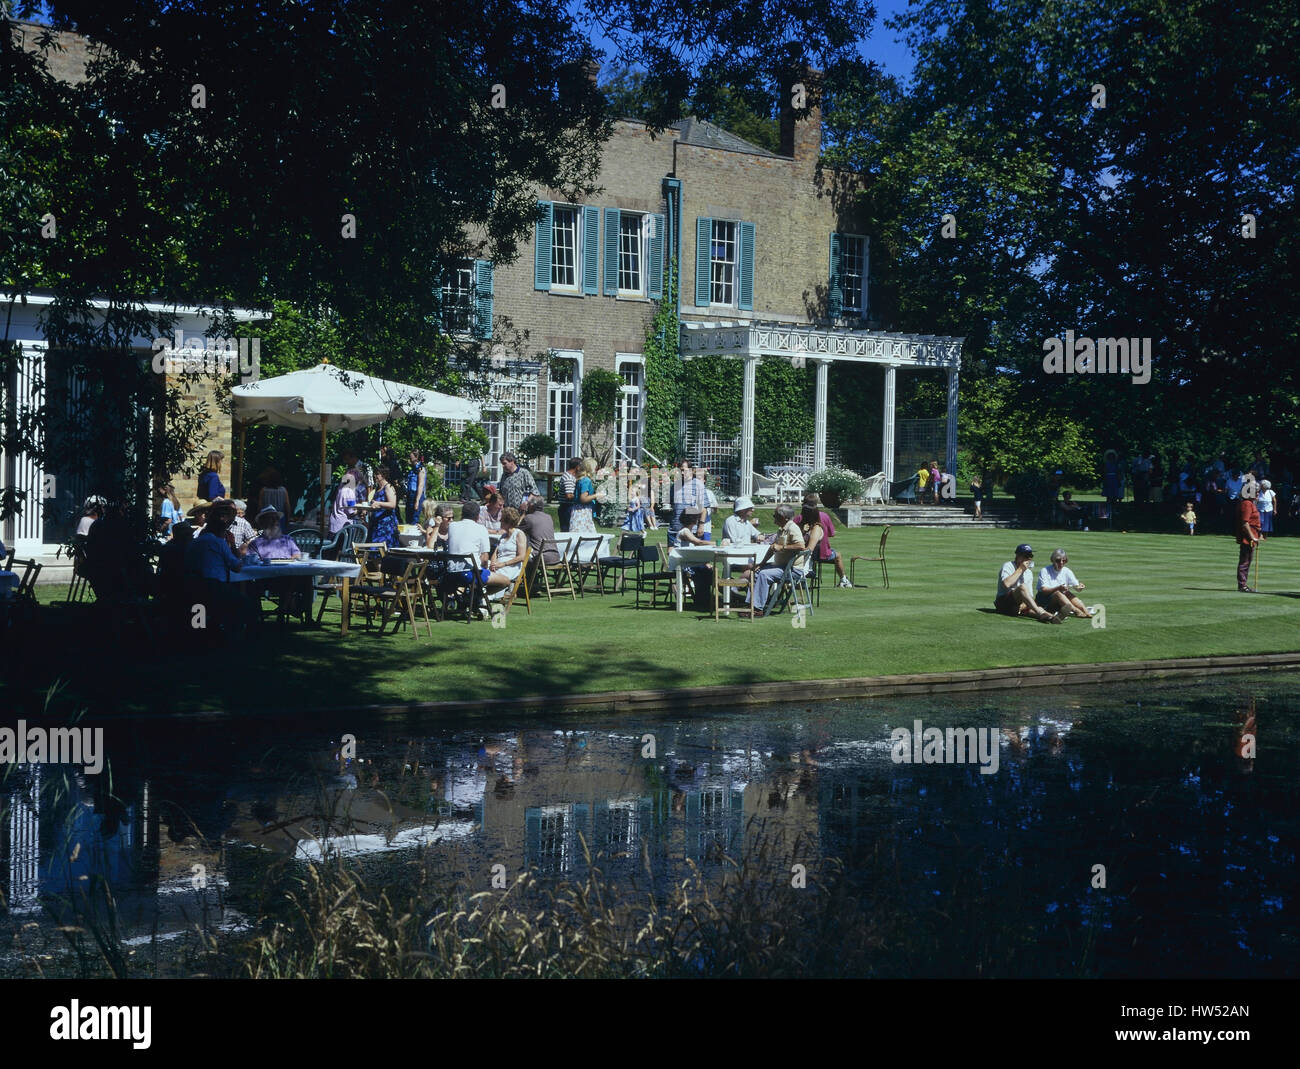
[821, 345]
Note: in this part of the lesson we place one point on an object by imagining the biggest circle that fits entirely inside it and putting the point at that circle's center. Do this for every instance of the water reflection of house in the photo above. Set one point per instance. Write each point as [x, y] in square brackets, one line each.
[70, 844]
[686, 805]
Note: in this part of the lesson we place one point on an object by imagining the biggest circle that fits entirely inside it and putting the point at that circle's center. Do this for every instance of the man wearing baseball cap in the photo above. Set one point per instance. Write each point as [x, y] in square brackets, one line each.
[1015, 593]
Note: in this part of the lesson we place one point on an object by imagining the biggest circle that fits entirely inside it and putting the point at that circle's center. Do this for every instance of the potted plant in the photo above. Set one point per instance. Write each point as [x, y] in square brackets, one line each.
[836, 485]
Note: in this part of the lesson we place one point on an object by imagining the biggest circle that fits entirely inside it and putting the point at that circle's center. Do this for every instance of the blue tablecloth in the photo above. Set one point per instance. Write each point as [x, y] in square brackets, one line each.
[8, 584]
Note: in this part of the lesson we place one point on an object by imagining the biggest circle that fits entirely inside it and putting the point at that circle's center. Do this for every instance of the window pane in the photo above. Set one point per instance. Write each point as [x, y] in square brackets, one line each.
[564, 247]
[458, 299]
[629, 253]
[723, 267]
[854, 257]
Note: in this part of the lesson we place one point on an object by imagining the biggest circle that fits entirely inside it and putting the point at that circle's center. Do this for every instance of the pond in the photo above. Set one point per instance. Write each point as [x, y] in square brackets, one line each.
[1109, 831]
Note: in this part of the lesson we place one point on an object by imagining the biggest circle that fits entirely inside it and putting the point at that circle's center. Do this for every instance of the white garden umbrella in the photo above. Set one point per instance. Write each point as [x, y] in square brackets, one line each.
[328, 398]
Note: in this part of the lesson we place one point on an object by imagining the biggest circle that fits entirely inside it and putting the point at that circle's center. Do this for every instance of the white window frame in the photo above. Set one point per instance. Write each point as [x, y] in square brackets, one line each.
[858, 310]
[626, 392]
[558, 389]
[450, 291]
[644, 222]
[716, 264]
[578, 228]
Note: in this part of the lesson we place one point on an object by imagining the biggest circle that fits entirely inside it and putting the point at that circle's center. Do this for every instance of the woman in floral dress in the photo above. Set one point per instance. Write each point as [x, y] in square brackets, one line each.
[385, 504]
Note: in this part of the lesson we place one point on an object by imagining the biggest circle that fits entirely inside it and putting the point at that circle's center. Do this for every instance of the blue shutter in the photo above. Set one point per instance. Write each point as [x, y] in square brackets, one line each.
[483, 298]
[611, 251]
[703, 259]
[591, 251]
[835, 290]
[542, 246]
[655, 288]
[746, 295]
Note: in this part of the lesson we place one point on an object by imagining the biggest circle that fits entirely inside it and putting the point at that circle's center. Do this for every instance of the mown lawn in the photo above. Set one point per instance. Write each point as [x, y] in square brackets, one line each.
[1165, 596]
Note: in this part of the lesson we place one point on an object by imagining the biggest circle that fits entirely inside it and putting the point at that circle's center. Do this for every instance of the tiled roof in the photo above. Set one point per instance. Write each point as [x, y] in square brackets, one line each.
[698, 132]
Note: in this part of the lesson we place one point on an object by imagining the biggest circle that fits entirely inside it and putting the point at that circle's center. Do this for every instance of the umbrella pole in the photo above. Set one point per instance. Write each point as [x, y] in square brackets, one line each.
[323, 489]
[243, 450]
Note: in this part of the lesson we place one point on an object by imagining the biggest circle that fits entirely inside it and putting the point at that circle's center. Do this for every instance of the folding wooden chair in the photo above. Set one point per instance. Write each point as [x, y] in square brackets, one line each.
[789, 586]
[556, 578]
[402, 588]
[884, 574]
[370, 555]
[582, 564]
[521, 580]
[725, 581]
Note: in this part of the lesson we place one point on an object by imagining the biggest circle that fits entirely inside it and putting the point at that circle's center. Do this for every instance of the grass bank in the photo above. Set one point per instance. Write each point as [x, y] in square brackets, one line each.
[1165, 596]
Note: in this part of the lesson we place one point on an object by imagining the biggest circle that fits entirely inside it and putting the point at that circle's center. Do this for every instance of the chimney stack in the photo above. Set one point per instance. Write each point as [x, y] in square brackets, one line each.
[801, 126]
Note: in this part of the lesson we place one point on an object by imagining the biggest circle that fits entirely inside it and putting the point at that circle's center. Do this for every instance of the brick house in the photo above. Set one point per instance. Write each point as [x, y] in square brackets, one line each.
[768, 247]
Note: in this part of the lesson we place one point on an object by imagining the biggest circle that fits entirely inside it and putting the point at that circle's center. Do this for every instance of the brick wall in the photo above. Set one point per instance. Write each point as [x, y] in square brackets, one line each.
[793, 205]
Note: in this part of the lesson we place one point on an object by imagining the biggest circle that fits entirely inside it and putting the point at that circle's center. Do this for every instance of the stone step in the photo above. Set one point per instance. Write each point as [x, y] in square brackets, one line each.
[924, 516]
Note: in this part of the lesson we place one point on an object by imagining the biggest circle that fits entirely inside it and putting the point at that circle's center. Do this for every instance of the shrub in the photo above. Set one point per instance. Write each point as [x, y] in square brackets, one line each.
[537, 445]
[849, 485]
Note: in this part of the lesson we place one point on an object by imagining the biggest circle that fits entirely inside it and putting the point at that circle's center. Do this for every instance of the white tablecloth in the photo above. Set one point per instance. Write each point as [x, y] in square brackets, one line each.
[687, 556]
[297, 570]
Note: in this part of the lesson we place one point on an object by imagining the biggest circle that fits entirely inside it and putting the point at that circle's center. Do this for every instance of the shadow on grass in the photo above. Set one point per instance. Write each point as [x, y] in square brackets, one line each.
[301, 673]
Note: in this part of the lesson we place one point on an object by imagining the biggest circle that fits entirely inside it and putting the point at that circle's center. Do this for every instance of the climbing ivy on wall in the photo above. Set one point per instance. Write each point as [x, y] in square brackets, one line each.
[709, 390]
[663, 376]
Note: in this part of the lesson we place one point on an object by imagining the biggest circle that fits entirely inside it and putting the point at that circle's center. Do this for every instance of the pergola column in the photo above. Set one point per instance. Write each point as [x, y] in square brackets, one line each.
[819, 415]
[951, 467]
[747, 426]
[887, 443]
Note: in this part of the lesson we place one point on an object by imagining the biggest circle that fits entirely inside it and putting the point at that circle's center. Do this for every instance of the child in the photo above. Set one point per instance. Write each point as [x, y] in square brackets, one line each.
[977, 493]
[1189, 517]
[635, 518]
[934, 482]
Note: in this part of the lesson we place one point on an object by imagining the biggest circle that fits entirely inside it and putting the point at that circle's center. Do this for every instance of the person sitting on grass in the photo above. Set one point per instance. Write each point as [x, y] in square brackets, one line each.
[1015, 593]
[1054, 585]
[1189, 518]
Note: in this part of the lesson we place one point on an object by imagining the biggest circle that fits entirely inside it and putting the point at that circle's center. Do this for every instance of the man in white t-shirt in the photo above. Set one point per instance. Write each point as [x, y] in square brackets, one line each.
[1015, 592]
[467, 537]
[1055, 583]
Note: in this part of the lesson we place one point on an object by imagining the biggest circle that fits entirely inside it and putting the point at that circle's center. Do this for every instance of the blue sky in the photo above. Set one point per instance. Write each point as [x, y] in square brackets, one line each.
[882, 46]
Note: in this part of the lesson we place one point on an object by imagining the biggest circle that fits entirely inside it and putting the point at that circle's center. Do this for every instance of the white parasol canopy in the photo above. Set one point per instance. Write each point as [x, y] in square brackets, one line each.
[327, 398]
[346, 400]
